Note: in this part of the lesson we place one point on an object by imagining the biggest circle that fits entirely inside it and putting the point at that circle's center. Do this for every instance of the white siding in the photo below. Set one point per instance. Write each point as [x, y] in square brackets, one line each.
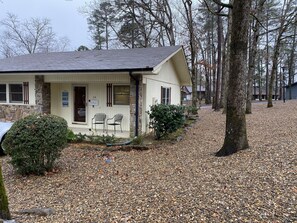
[88, 78]
[19, 79]
[167, 77]
[95, 91]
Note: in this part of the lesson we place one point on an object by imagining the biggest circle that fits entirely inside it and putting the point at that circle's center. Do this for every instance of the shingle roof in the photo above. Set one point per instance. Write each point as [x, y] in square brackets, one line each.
[96, 60]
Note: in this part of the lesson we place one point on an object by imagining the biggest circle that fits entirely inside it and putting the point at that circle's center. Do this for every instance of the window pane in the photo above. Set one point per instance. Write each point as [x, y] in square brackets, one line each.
[2, 88]
[3, 92]
[121, 95]
[15, 93]
[165, 95]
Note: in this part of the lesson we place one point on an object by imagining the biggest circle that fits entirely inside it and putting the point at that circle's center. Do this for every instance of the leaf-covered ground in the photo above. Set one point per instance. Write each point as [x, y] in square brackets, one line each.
[181, 182]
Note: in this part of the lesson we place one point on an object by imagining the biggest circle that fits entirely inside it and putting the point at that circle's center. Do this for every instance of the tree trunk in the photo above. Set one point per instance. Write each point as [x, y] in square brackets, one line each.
[208, 82]
[275, 57]
[213, 62]
[260, 67]
[235, 133]
[219, 62]
[252, 58]
[188, 9]
[4, 210]
[277, 45]
[276, 84]
[224, 74]
[227, 63]
[207, 87]
[267, 57]
[292, 61]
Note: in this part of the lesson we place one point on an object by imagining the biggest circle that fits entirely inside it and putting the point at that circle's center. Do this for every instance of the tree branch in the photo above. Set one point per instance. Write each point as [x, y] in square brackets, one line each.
[218, 13]
[230, 6]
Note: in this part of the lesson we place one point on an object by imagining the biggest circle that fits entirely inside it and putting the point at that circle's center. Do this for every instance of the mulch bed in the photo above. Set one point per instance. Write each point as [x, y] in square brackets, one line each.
[180, 182]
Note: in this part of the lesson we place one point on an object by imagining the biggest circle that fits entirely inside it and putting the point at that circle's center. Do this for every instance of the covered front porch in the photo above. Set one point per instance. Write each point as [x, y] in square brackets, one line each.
[78, 99]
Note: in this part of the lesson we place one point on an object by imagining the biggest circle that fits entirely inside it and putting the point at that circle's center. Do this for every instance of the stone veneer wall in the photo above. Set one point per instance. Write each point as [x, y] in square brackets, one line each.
[42, 95]
[14, 112]
[133, 106]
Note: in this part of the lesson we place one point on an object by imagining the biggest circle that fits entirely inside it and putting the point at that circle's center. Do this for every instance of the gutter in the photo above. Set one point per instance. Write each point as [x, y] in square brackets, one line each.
[137, 103]
[77, 71]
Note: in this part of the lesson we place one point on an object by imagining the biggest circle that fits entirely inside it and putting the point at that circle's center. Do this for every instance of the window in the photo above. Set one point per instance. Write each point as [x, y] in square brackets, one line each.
[121, 95]
[2, 92]
[15, 93]
[165, 95]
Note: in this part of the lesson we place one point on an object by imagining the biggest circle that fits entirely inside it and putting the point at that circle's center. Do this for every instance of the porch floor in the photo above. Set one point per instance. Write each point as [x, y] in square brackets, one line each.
[87, 131]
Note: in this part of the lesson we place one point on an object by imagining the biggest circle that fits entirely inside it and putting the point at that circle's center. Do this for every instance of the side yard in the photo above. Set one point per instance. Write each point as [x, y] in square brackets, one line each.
[180, 182]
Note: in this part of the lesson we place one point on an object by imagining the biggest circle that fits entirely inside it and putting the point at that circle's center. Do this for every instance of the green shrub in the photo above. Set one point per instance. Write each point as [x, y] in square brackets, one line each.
[71, 137]
[165, 119]
[138, 140]
[74, 138]
[35, 142]
[192, 110]
[96, 139]
[80, 137]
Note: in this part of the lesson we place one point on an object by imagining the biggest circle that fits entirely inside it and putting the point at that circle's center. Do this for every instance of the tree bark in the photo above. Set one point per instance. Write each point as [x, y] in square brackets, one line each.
[235, 133]
[284, 23]
[227, 63]
[292, 61]
[188, 9]
[4, 210]
[219, 62]
[252, 58]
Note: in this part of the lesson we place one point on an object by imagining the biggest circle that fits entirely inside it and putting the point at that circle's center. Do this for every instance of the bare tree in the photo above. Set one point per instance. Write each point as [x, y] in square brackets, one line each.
[253, 53]
[193, 49]
[162, 13]
[235, 133]
[31, 36]
[291, 64]
[219, 60]
[287, 17]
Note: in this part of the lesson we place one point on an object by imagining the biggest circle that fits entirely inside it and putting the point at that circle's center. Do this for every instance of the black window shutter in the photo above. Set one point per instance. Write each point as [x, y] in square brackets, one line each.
[26, 92]
[109, 95]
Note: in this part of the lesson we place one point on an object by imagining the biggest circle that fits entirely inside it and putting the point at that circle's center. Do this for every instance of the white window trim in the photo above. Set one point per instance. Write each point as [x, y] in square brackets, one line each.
[8, 93]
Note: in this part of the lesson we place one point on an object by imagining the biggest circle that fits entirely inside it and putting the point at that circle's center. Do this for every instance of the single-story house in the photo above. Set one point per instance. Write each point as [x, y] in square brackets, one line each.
[77, 85]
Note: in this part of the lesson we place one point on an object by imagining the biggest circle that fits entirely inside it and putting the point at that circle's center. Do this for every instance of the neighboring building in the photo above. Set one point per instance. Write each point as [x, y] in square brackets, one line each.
[293, 90]
[186, 94]
[200, 92]
[257, 96]
[77, 85]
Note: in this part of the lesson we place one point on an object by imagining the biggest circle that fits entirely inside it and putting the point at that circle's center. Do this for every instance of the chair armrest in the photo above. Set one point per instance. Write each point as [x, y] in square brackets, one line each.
[109, 119]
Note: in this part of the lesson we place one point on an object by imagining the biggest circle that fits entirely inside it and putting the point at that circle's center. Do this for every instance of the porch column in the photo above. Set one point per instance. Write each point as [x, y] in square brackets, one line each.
[42, 95]
[133, 105]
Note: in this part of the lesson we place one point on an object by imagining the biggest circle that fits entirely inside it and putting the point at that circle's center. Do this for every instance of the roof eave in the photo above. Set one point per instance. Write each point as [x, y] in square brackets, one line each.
[17, 72]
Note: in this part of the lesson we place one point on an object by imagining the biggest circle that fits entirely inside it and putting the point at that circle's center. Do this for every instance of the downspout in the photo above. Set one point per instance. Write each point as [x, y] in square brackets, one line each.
[136, 103]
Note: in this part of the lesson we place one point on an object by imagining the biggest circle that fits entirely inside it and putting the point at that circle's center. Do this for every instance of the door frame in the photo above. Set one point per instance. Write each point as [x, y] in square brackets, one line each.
[86, 104]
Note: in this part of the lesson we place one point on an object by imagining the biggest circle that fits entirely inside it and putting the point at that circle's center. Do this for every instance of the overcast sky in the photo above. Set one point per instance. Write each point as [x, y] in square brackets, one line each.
[65, 18]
